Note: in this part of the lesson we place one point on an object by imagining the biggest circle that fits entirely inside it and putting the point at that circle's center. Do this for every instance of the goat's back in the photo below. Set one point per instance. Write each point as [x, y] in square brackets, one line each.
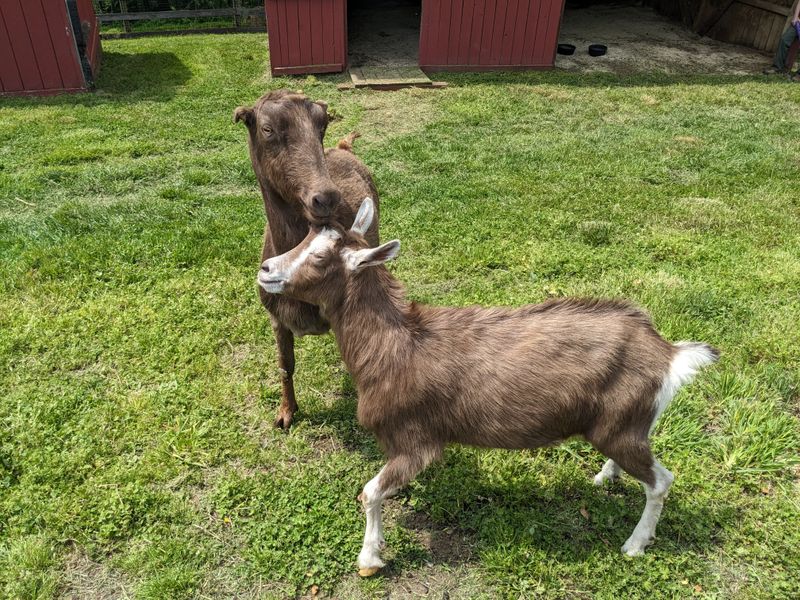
[526, 377]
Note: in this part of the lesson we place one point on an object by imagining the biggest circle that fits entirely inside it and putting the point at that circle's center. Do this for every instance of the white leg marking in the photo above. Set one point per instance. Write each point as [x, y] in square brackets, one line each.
[609, 472]
[372, 499]
[645, 530]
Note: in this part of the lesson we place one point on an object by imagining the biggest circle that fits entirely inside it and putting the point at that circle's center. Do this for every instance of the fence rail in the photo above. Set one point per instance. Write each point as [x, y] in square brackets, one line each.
[180, 14]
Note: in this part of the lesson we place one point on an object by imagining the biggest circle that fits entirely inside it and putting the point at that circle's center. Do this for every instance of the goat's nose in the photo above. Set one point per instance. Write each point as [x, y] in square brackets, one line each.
[322, 203]
[265, 266]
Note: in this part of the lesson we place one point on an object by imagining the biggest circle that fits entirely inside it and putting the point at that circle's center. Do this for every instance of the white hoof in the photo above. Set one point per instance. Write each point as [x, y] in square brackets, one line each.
[599, 479]
[634, 547]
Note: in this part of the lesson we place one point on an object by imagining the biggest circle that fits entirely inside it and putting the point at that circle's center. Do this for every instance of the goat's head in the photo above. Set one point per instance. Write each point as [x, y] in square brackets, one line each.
[322, 263]
[286, 131]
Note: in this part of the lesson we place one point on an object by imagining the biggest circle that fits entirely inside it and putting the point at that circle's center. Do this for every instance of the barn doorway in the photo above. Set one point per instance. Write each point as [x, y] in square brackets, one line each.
[639, 40]
[383, 33]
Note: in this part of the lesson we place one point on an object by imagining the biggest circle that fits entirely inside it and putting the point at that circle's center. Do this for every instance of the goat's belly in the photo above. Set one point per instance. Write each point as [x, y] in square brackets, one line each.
[507, 438]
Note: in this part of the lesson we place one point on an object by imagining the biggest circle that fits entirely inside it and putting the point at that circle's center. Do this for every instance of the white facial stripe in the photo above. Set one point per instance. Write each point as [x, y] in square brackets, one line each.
[323, 241]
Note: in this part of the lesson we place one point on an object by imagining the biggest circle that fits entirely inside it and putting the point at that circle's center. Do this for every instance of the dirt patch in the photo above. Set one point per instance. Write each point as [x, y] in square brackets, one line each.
[85, 579]
[451, 570]
[640, 40]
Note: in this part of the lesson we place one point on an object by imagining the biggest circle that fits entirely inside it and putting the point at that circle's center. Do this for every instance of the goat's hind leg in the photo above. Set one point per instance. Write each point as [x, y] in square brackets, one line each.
[634, 457]
[392, 477]
[656, 492]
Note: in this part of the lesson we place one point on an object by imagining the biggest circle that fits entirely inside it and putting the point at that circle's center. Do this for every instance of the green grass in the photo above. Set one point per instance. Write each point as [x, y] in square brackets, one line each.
[137, 369]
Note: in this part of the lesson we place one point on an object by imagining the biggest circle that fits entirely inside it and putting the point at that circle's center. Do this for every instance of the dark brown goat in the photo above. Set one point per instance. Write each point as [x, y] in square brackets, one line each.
[300, 184]
[495, 377]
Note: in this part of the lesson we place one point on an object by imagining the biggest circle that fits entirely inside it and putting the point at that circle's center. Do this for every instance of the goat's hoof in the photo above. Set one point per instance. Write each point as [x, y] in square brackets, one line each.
[633, 549]
[284, 419]
[368, 571]
[599, 480]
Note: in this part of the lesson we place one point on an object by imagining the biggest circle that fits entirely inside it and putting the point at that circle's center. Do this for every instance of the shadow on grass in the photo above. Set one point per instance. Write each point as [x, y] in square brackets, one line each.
[463, 517]
[156, 75]
[124, 78]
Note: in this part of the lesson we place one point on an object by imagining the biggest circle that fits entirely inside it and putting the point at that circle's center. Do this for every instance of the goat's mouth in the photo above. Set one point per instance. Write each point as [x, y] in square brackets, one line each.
[271, 284]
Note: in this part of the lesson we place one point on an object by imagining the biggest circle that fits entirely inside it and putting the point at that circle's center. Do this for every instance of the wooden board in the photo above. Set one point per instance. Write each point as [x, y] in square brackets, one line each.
[389, 77]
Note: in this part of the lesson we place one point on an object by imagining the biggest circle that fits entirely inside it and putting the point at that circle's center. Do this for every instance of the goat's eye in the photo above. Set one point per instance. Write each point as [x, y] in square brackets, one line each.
[267, 129]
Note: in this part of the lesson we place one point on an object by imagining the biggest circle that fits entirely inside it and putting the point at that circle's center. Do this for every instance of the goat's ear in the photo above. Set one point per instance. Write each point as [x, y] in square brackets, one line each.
[368, 257]
[364, 217]
[243, 113]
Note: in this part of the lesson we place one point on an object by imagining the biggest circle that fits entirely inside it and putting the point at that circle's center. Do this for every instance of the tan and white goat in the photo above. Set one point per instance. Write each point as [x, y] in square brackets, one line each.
[495, 377]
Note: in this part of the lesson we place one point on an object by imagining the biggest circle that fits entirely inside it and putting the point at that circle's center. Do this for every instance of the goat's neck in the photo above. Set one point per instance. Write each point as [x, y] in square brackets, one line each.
[287, 226]
[371, 325]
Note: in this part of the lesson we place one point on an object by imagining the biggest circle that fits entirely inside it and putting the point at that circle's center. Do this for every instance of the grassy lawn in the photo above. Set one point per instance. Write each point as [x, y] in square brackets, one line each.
[137, 368]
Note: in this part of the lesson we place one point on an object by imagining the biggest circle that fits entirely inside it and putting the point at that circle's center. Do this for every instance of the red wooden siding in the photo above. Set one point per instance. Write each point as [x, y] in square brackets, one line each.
[91, 34]
[479, 35]
[307, 36]
[38, 48]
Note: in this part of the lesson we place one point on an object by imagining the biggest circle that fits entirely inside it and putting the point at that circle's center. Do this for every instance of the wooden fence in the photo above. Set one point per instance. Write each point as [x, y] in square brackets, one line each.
[238, 13]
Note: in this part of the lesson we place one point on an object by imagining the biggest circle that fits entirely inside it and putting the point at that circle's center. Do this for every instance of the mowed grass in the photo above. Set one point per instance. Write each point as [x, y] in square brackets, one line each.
[137, 368]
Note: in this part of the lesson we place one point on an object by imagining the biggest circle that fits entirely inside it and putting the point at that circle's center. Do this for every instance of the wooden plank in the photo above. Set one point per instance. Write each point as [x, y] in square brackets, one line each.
[328, 39]
[22, 44]
[509, 32]
[304, 32]
[499, 28]
[487, 32]
[340, 31]
[709, 15]
[454, 31]
[531, 29]
[10, 80]
[177, 14]
[316, 27]
[518, 44]
[274, 37]
[764, 36]
[283, 28]
[540, 49]
[169, 32]
[768, 6]
[292, 20]
[467, 15]
[65, 50]
[553, 25]
[474, 55]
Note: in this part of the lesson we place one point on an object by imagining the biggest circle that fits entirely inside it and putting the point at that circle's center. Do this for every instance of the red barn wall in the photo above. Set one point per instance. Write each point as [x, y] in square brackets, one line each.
[91, 34]
[481, 35]
[307, 36]
[38, 48]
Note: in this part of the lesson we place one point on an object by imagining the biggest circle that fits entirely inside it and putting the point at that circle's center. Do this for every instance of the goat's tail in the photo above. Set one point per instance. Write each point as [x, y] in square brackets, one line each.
[688, 360]
[346, 143]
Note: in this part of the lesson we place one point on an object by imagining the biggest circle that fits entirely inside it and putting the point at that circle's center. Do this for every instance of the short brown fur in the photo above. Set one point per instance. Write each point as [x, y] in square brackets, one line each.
[300, 184]
[495, 377]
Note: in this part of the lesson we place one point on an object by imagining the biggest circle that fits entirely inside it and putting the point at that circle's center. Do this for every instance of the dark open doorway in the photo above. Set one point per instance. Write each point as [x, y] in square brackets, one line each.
[383, 33]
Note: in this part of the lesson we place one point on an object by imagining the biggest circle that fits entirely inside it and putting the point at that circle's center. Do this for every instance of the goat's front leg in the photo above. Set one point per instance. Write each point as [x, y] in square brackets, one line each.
[393, 476]
[285, 340]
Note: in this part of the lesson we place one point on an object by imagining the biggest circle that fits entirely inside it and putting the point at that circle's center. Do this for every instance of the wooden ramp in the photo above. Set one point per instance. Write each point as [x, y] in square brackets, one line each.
[390, 78]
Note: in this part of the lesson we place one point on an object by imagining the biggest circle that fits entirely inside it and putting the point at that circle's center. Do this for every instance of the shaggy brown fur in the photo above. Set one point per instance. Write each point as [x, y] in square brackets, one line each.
[300, 184]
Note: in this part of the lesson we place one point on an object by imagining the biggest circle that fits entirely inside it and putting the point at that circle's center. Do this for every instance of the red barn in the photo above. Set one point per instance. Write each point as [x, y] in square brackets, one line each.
[311, 36]
[47, 46]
